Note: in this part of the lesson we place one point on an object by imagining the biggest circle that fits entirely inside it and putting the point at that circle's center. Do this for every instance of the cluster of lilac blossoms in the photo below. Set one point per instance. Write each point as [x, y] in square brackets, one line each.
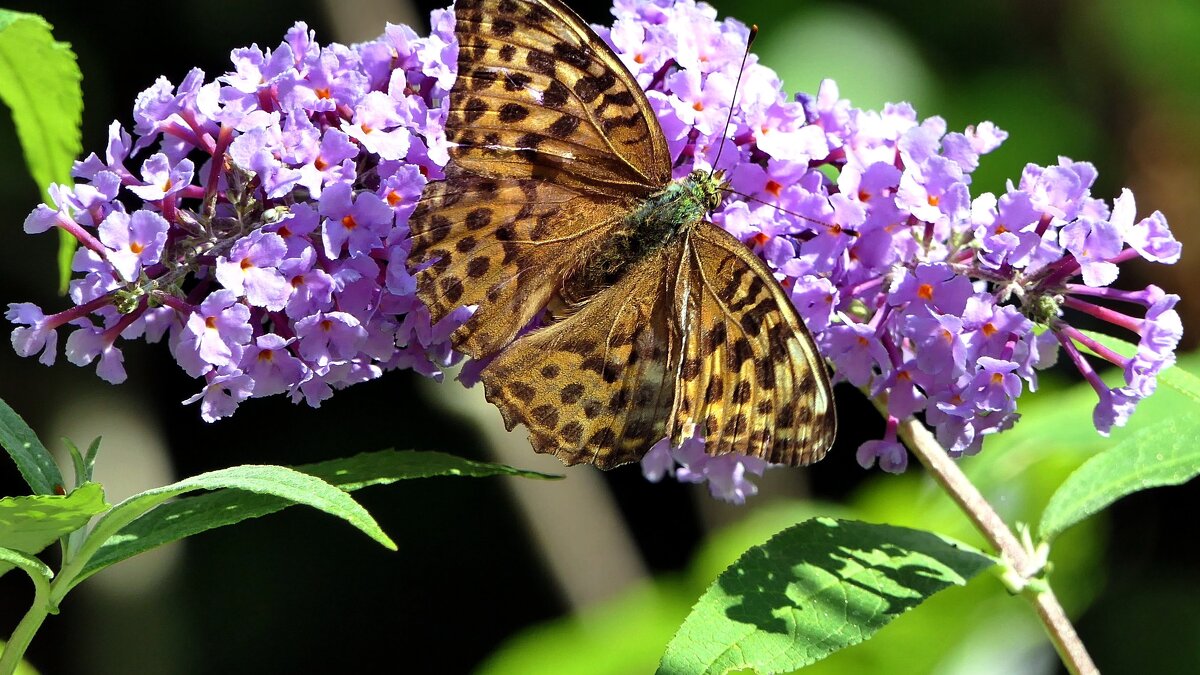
[258, 220]
[265, 231]
[942, 303]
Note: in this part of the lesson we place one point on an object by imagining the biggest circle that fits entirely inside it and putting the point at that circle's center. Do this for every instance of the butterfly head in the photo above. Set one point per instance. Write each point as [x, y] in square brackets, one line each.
[709, 187]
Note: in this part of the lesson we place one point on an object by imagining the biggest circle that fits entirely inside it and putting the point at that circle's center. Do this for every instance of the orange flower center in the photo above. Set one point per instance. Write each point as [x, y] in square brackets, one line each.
[348, 222]
[925, 292]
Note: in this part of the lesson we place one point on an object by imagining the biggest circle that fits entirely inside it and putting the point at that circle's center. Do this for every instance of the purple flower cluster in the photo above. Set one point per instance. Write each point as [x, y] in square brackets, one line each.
[265, 232]
[942, 303]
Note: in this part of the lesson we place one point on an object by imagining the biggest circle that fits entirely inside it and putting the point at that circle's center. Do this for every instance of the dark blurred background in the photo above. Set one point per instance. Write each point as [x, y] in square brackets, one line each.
[591, 574]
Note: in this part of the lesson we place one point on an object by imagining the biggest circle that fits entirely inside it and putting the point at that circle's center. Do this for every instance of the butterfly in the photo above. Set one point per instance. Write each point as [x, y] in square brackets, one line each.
[558, 209]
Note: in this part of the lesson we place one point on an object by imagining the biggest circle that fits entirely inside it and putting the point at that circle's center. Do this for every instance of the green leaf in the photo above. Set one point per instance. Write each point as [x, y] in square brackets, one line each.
[39, 81]
[183, 518]
[811, 590]
[1163, 454]
[83, 462]
[11, 558]
[1181, 381]
[89, 461]
[33, 460]
[85, 465]
[278, 481]
[30, 524]
[388, 466]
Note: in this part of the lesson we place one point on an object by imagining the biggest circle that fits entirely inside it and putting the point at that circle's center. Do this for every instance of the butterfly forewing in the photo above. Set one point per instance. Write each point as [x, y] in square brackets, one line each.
[503, 244]
[596, 387]
[750, 379]
[538, 95]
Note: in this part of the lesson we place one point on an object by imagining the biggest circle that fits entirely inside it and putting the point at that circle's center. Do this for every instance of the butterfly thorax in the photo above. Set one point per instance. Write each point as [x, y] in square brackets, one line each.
[654, 223]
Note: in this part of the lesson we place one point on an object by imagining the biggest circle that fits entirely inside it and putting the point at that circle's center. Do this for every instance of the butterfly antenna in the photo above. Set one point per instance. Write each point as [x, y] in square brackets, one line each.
[779, 208]
[736, 83]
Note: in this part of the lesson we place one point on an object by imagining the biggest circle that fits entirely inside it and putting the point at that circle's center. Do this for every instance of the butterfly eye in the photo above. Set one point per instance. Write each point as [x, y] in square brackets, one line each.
[714, 200]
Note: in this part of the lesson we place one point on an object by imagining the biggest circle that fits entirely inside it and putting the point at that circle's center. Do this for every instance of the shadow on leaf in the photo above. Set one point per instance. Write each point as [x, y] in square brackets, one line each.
[829, 580]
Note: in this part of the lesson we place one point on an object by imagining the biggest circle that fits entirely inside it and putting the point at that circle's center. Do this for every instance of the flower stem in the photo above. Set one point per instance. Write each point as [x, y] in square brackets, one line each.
[23, 634]
[1066, 641]
[989, 523]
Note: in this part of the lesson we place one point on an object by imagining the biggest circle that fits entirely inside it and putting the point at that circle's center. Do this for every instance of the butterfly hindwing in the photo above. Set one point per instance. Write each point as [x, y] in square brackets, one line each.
[597, 386]
[539, 95]
[750, 379]
[699, 334]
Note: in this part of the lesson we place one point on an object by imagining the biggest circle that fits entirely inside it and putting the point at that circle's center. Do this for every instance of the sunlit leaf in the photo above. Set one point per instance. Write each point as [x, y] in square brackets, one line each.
[39, 81]
[1164, 454]
[192, 515]
[811, 590]
[247, 481]
[31, 523]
